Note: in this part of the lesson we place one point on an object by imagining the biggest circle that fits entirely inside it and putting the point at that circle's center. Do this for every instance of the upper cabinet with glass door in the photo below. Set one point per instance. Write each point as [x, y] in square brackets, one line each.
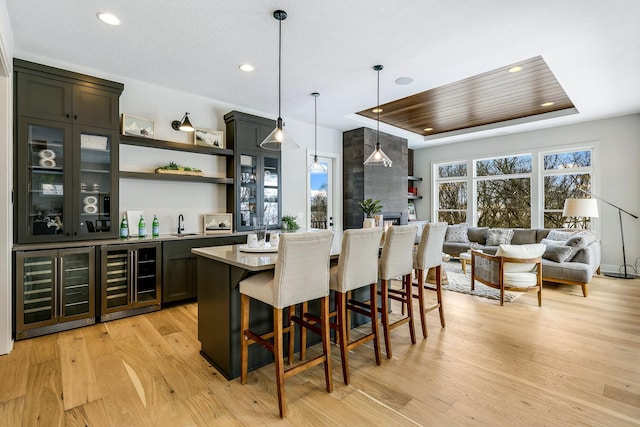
[66, 155]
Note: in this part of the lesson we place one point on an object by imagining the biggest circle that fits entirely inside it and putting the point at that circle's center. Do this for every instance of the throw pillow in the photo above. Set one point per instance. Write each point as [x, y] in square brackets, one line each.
[499, 236]
[457, 233]
[560, 235]
[557, 253]
[520, 251]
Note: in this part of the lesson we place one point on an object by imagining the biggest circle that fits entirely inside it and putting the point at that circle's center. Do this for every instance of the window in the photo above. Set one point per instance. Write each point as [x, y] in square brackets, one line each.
[499, 191]
[452, 193]
[564, 175]
[503, 191]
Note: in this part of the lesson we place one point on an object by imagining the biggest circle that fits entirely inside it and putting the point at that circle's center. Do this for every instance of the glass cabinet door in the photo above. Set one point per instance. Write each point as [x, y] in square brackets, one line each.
[147, 275]
[271, 191]
[36, 279]
[46, 181]
[248, 191]
[116, 271]
[77, 288]
[94, 191]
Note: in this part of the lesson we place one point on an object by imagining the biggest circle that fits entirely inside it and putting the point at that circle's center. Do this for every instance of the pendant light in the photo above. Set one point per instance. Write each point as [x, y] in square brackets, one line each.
[184, 124]
[277, 140]
[378, 158]
[315, 166]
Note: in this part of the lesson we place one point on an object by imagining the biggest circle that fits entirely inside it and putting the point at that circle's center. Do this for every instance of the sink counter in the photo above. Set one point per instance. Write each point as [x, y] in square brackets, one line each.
[97, 242]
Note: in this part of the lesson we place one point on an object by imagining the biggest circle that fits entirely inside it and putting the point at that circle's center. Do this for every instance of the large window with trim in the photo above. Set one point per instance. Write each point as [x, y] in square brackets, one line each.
[500, 191]
[452, 193]
[503, 191]
[565, 173]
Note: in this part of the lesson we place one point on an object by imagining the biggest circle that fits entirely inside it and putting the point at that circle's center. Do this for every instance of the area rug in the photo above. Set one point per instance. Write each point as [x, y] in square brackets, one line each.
[459, 282]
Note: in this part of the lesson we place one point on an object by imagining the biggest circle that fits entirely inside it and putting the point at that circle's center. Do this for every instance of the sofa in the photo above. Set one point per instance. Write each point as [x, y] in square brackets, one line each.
[564, 261]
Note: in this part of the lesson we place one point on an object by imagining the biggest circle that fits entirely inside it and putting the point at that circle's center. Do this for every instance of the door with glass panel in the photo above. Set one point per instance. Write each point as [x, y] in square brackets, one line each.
[320, 192]
[44, 181]
[94, 183]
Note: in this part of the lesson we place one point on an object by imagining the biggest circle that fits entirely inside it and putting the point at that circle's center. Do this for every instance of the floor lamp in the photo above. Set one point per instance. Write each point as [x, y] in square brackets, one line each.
[624, 256]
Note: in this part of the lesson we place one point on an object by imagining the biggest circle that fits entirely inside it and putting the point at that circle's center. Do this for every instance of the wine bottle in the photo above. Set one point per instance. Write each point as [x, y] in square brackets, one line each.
[142, 228]
[124, 228]
[155, 227]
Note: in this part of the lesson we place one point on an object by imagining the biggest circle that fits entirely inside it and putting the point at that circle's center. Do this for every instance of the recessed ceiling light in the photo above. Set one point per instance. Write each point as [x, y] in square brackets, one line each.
[515, 69]
[247, 68]
[108, 18]
[428, 129]
[547, 104]
[404, 80]
[377, 110]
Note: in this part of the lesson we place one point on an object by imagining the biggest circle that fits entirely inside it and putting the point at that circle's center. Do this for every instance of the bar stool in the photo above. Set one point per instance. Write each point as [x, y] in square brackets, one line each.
[301, 274]
[429, 255]
[397, 260]
[357, 267]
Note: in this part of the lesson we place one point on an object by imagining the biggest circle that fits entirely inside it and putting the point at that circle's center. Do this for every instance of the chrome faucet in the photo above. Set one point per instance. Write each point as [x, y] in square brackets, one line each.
[180, 226]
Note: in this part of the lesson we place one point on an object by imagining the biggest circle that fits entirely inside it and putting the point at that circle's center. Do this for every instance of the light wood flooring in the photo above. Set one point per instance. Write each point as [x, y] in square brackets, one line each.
[575, 361]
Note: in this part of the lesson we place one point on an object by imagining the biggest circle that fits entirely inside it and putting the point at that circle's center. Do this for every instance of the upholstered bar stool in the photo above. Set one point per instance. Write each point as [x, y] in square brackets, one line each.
[429, 255]
[357, 267]
[397, 260]
[301, 274]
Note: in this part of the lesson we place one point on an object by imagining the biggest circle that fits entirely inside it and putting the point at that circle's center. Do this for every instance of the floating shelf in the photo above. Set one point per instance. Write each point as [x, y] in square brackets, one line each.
[171, 145]
[414, 178]
[414, 197]
[172, 177]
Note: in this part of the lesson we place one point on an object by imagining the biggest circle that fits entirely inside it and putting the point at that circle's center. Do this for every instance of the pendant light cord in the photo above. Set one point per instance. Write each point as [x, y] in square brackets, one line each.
[279, 67]
[315, 126]
[378, 114]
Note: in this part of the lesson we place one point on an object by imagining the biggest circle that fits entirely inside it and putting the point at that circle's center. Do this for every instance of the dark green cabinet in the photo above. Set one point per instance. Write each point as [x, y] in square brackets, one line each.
[53, 94]
[54, 290]
[66, 155]
[130, 279]
[256, 172]
[179, 265]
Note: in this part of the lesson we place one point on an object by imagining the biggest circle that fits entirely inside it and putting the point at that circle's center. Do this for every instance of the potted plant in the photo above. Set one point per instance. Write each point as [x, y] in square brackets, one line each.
[370, 208]
[289, 223]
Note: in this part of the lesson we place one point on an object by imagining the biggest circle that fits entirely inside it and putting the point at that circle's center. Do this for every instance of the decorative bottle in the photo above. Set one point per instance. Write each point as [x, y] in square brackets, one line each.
[124, 228]
[155, 227]
[142, 228]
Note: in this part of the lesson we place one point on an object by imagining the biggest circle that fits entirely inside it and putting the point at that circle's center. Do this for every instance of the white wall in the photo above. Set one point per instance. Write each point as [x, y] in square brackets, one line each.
[617, 175]
[6, 179]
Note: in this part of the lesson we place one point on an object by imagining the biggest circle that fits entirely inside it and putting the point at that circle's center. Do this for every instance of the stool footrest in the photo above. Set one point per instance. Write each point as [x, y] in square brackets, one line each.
[304, 323]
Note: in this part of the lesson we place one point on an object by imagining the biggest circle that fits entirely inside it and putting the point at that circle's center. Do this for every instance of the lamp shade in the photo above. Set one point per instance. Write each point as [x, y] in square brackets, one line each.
[580, 207]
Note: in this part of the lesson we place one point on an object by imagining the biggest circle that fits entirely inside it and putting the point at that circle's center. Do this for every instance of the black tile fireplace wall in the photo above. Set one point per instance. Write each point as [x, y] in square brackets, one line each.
[389, 185]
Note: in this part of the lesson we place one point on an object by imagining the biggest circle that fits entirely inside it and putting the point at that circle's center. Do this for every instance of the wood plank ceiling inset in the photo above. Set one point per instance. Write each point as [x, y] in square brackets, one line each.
[491, 97]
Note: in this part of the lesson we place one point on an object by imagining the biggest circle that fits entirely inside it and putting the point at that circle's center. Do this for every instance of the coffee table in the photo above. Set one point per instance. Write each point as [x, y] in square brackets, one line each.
[431, 274]
[464, 257]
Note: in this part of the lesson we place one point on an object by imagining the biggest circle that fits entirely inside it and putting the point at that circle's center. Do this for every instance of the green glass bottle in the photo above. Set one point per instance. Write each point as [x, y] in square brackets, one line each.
[142, 228]
[155, 227]
[124, 228]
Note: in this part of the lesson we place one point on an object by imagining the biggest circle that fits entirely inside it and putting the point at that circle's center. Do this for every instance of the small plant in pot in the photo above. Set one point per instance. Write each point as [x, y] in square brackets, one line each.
[289, 223]
[370, 208]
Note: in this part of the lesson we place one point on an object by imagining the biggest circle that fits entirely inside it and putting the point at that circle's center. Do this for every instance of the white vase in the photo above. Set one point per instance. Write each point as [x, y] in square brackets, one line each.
[369, 223]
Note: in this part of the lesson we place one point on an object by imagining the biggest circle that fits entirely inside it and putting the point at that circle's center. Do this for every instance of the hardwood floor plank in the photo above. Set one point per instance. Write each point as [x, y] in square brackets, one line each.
[13, 372]
[79, 382]
[44, 398]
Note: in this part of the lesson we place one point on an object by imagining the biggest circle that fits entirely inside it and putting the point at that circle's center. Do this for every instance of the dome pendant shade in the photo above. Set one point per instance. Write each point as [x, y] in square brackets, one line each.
[378, 158]
[278, 140]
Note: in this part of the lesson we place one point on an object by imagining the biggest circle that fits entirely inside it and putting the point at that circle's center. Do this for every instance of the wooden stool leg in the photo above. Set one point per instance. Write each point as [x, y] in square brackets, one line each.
[279, 360]
[423, 315]
[341, 317]
[244, 325]
[326, 342]
[303, 333]
[374, 321]
[292, 333]
[348, 316]
[409, 301]
[384, 290]
[439, 294]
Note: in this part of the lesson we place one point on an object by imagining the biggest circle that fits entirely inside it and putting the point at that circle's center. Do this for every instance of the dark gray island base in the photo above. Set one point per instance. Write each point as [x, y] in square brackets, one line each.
[219, 270]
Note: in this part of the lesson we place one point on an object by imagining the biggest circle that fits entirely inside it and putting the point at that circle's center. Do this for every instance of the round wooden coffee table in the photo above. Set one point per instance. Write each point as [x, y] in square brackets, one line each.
[464, 258]
[431, 274]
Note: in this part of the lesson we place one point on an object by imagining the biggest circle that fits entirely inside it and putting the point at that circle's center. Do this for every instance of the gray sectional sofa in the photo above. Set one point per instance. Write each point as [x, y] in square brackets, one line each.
[578, 270]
